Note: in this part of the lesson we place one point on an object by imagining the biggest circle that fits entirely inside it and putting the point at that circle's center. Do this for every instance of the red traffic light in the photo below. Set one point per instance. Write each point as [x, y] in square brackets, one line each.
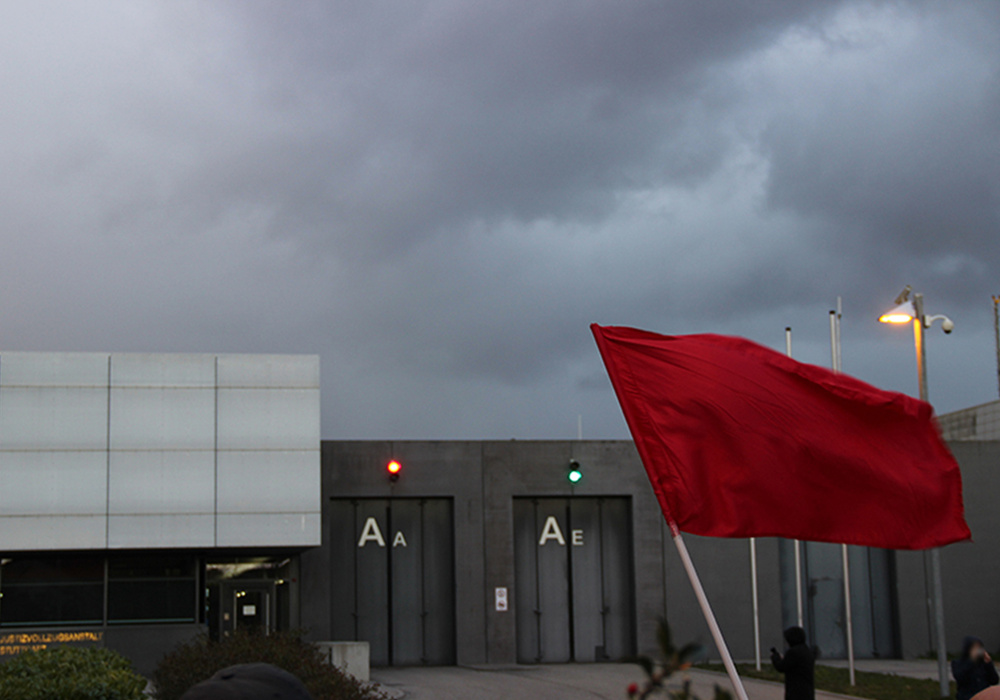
[394, 468]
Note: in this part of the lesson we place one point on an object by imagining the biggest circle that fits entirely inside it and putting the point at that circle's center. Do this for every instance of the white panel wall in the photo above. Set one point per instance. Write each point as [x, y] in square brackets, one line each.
[53, 451]
[268, 433]
[141, 450]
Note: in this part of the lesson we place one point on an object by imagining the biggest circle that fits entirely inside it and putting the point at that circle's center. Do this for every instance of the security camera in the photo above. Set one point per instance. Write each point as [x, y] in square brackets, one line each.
[947, 325]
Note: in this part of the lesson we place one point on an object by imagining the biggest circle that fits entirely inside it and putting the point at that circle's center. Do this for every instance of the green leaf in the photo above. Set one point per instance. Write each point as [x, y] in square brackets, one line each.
[663, 637]
[688, 651]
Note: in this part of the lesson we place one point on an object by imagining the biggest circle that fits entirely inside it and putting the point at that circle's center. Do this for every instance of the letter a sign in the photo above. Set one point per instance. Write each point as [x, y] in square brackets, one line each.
[551, 531]
[371, 533]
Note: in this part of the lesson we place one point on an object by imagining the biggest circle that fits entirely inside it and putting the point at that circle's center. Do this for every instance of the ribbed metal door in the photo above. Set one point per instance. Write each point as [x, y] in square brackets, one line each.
[541, 594]
[573, 579]
[873, 617]
[392, 578]
[826, 598]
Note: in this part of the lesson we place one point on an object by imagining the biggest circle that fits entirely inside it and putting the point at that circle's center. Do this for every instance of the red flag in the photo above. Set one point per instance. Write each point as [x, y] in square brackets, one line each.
[742, 441]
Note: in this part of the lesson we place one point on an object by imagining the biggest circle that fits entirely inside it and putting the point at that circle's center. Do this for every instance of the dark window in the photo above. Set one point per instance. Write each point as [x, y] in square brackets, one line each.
[51, 591]
[152, 589]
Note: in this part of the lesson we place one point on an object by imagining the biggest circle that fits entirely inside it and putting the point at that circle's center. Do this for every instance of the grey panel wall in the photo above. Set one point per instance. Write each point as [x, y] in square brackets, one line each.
[971, 570]
[484, 479]
[147, 450]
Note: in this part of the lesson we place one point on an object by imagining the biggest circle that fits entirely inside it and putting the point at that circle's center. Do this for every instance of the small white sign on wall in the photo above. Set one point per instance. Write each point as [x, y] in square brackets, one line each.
[501, 599]
[249, 610]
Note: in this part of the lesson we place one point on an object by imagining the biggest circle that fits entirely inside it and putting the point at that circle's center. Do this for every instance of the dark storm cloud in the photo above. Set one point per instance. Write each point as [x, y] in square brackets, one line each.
[439, 197]
[435, 115]
[901, 149]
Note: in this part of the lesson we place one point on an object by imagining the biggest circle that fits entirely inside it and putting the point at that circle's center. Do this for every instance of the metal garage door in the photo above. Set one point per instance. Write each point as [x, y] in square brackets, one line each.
[573, 579]
[393, 578]
[872, 602]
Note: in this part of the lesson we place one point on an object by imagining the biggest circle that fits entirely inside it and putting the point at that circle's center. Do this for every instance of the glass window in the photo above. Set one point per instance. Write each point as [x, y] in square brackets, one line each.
[248, 568]
[152, 589]
[51, 591]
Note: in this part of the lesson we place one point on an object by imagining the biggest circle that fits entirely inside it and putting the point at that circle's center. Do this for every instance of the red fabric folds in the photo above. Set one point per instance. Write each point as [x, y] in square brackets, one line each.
[742, 441]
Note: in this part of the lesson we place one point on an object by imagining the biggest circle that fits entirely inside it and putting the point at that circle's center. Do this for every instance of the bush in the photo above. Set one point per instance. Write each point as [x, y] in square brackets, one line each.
[199, 659]
[70, 673]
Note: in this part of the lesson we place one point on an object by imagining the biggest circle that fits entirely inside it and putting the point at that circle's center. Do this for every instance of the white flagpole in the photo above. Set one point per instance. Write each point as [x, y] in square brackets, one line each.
[799, 618]
[706, 609]
[845, 560]
[847, 610]
[756, 602]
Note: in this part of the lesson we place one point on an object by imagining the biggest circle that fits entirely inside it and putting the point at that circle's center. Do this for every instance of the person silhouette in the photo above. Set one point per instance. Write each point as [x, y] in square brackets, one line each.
[798, 664]
[973, 670]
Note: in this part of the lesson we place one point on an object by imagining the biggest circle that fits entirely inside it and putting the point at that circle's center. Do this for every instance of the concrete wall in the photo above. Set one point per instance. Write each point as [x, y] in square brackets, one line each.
[483, 478]
[724, 567]
[971, 570]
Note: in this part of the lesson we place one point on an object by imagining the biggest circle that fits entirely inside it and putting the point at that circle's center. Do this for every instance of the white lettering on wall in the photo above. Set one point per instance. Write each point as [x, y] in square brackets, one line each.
[371, 533]
[576, 537]
[398, 540]
[551, 531]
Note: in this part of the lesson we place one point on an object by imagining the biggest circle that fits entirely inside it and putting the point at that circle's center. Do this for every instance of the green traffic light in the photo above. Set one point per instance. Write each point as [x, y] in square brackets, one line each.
[575, 474]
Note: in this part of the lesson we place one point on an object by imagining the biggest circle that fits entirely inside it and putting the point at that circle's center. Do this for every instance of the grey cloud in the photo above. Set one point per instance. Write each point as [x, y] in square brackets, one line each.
[901, 154]
[445, 114]
[440, 197]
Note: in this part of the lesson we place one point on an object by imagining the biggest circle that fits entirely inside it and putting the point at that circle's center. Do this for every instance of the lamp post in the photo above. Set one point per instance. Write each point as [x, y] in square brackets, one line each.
[907, 311]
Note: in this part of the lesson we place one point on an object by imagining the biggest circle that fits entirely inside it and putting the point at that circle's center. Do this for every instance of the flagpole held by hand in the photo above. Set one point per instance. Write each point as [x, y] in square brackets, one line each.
[706, 609]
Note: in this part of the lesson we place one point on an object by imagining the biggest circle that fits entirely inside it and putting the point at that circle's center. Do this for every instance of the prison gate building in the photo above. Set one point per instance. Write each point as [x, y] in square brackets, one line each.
[145, 499]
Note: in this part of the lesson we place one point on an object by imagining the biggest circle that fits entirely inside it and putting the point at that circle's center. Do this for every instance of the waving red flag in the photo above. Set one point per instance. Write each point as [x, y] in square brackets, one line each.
[742, 441]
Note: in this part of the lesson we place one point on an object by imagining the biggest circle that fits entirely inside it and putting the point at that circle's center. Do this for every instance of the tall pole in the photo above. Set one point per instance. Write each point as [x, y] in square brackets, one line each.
[845, 559]
[756, 602]
[919, 324]
[799, 617]
[840, 315]
[918, 340]
[996, 333]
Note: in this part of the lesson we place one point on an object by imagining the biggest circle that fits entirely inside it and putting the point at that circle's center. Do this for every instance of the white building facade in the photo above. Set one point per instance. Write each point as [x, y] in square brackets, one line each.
[151, 489]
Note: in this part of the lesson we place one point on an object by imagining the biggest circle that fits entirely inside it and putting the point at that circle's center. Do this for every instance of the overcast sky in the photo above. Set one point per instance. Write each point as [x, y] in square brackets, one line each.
[438, 198]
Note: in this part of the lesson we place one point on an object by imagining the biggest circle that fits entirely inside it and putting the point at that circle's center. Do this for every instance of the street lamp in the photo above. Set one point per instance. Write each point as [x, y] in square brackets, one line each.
[906, 311]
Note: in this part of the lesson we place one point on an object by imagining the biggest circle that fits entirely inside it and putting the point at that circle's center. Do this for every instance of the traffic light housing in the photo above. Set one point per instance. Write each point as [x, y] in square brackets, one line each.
[393, 468]
[575, 474]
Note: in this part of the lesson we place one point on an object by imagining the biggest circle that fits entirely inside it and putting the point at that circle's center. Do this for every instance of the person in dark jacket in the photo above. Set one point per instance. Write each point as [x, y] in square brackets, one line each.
[974, 670]
[797, 664]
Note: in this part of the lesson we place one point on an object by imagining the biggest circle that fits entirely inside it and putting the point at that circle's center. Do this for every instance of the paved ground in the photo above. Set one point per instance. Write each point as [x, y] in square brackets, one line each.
[548, 682]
